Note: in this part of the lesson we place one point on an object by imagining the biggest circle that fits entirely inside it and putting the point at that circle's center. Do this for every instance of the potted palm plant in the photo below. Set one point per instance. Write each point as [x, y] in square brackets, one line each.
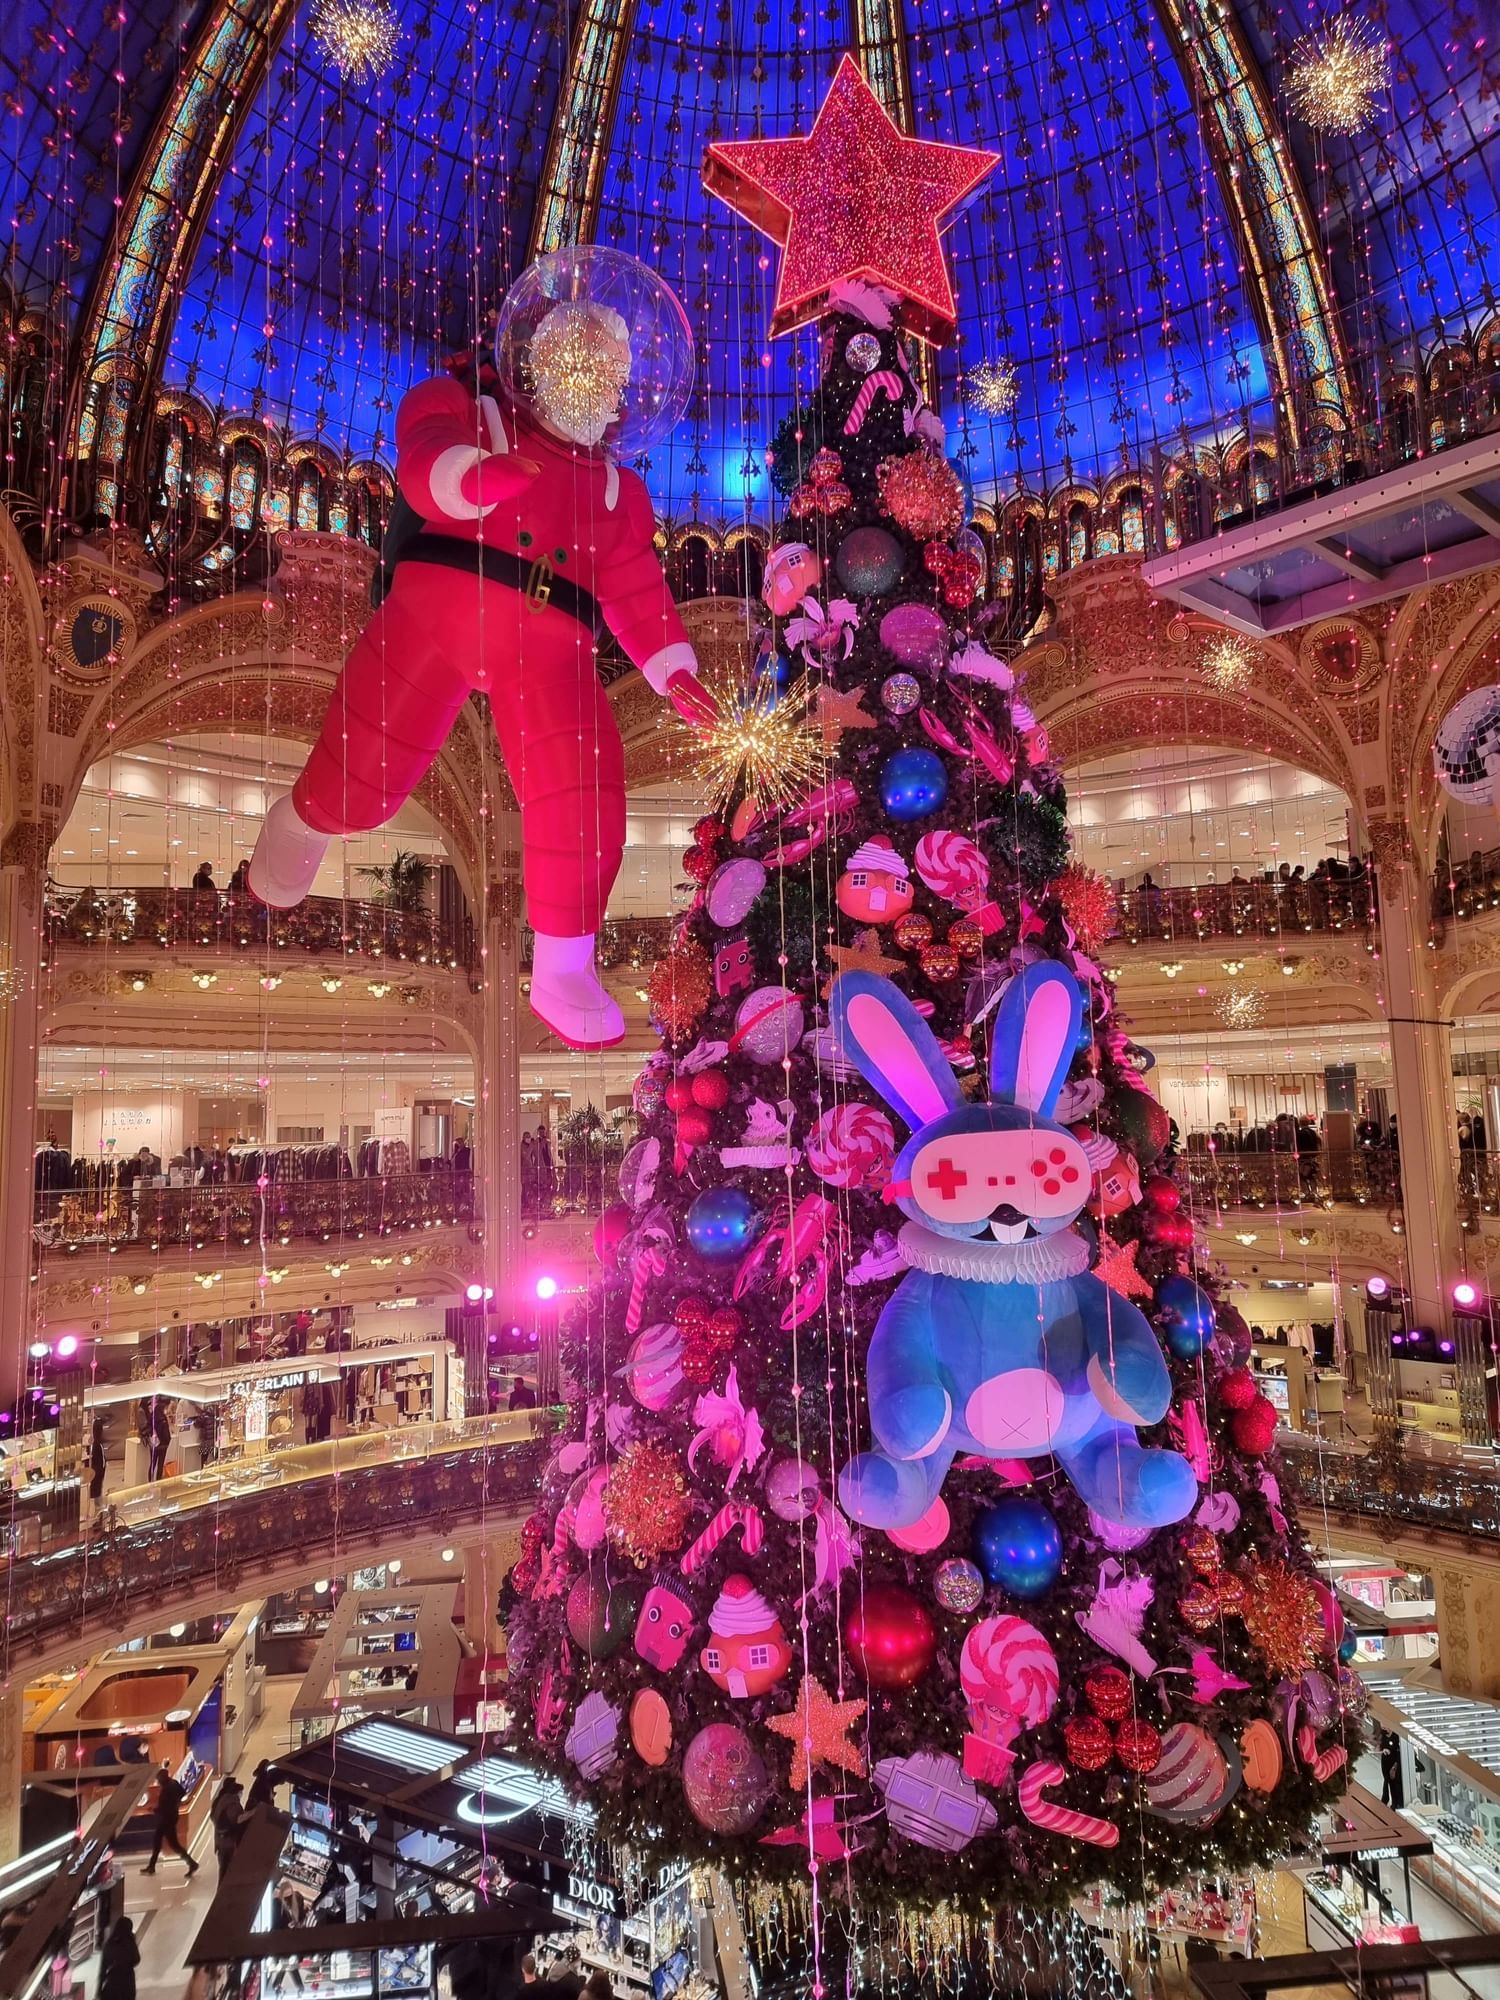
[401, 882]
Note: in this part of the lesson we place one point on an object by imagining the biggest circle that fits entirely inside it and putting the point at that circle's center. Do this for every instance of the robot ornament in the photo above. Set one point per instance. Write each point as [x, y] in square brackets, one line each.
[517, 537]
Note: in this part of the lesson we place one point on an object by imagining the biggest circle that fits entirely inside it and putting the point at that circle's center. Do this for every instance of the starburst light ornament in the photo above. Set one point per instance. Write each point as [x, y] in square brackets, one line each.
[358, 37]
[1228, 662]
[1338, 75]
[1241, 1007]
[762, 741]
[993, 387]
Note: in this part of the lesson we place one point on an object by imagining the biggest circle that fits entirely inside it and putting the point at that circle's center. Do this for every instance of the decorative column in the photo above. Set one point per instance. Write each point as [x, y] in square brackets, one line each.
[1468, 1616]
[12, 1779]
[498, 1086]
[1422, 1071]
[23, 860]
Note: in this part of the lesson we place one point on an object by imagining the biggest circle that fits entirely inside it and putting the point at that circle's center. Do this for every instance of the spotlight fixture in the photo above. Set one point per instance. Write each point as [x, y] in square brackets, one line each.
[546, 1288]
[203, 980]
[1465, 1295]
[1378, 1290]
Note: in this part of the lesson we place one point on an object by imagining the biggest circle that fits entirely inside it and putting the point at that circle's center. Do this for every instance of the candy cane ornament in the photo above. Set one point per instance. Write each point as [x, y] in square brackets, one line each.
[649, 1264]
[884, 380]
[1038, 1778]
[742, 1514]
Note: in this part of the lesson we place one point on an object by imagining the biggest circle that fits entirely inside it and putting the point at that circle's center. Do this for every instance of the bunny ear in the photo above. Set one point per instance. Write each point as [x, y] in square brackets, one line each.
[1035, 1032]
[890, 1044]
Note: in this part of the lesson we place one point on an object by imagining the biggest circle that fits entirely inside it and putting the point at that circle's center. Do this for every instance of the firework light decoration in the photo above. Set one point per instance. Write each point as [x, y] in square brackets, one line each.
[358, 37]
[761, 741]
[993, 387]
[1227, 663]
[1241, 1007]
[1338, 76]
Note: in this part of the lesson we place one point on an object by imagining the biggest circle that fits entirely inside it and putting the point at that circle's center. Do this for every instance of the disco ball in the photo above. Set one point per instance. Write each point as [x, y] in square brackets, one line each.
[1467, 750]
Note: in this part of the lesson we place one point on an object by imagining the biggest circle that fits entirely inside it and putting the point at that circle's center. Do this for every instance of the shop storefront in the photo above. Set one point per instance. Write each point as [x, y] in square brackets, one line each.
[1362, 1892]
[1450, 1784]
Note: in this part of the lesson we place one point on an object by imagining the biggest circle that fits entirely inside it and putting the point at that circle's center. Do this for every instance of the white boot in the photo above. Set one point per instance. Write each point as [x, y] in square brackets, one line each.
[567, 997]
[287, 856]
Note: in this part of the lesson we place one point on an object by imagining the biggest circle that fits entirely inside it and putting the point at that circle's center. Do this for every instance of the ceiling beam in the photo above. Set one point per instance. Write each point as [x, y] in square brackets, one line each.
[1291, 285]
[572, 185]
[131, 312]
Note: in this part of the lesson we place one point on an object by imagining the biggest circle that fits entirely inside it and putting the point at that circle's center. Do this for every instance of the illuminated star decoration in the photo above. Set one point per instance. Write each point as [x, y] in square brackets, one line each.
[838, 712]
[823, 1723]
[1337, 77]
[1116, 1266]
[864, 955]
[359, 37]
[855, 199]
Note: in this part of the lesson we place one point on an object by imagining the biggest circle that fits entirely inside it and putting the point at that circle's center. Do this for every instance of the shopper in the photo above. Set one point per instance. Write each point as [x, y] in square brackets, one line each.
[262, 1787]
[239, 881]
[118, 1959]
[228, 1817]
[521, 1396]
[169, 1797]
[96, 1461]
[597, 1987]
[204, 879]
[161, 1439]
[1392, 1782]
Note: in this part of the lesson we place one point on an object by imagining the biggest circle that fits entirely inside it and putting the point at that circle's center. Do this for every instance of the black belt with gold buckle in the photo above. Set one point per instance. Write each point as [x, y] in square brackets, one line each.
[535, 578]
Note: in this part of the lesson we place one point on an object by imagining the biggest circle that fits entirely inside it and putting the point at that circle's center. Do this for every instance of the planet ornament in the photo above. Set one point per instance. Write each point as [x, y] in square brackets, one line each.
[725, 1779]
[722, 1224]
[1018, 1545]
[913, 784]
[768, 1025]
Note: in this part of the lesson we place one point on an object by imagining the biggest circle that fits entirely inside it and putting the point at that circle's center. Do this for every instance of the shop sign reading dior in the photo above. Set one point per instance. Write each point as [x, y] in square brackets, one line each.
[593, 1895]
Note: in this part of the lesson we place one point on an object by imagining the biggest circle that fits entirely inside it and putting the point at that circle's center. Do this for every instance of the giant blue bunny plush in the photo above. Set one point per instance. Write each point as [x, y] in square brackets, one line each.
[1000, 1340]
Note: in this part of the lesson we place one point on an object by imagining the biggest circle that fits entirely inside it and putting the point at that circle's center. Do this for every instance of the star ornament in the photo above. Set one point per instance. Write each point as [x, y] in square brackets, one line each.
[818, 1731]
[855, 199]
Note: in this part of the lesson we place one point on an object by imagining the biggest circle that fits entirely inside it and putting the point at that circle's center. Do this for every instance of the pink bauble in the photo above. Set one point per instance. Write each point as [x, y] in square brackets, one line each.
[724, 1779]
[1192, 1780]
[1007, 1665]
[916, 635]
[793, 1489]
[852, 1146]
[653, 1367]
[587, 1497]
[610, 1232]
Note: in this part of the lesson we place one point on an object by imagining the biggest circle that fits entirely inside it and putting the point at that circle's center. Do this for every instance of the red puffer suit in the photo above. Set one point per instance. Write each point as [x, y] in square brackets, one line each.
[574, 532]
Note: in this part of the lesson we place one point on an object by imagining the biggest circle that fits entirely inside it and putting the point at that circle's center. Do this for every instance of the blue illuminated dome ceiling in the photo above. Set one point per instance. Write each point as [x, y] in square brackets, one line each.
[358, 234]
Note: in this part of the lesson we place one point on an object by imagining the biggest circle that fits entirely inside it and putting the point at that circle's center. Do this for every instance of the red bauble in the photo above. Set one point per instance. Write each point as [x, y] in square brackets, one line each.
[691, 1312]
[678, 1094]
[1237, 1391]
[1088, 1742]
[1173, 1232]
[1107, 1690]
[695, 1126]
[727, 1324]
[1138, 1745]
[711, 1089]
[709, 830]
[698, 864]
[890, 1636]
[610, 1232]
[1254, 1428]
[1162, 1196]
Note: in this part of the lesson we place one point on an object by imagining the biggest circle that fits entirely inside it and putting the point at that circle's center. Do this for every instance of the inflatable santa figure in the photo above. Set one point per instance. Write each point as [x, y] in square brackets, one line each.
[517, 538]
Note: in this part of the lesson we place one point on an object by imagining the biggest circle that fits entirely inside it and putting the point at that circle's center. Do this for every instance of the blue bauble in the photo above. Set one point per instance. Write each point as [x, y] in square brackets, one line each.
[1347, 1646]
[913, 783]
[1018, 1545]
[722, 1224]
[1187, 1317]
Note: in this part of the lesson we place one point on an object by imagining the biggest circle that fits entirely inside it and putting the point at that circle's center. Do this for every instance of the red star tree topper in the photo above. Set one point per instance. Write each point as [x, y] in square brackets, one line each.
[855, 199]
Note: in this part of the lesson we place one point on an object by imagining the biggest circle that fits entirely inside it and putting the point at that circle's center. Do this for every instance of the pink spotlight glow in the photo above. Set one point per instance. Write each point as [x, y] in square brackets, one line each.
[1465, 1295]
[546, 1288]
[474, 1293]
[67, 1347]
[1378, 1288]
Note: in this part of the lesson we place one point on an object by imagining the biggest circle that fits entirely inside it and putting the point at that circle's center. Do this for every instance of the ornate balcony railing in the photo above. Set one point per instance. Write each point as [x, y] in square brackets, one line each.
[1245, 910]
[132, 1580]
[214, 920]
[1393, 1485]
[1364, 1177]
[233, 1215]
[1467, 889]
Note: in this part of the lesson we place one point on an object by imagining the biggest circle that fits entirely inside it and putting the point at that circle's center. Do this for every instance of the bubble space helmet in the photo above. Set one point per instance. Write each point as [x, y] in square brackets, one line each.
[597, 348]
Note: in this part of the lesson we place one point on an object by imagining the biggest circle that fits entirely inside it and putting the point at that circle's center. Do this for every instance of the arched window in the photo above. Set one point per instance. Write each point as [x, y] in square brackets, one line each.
[246, 476]
[1079, 536]
[1132, 522]
[308, 511]
[693, 566]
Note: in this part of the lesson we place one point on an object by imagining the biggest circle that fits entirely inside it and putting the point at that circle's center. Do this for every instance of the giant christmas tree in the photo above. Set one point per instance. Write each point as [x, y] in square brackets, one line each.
[918, 1515]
